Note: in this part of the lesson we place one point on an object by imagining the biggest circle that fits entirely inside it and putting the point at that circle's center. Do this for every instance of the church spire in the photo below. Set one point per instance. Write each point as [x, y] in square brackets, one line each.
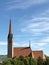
[10, 41]
[10, 28]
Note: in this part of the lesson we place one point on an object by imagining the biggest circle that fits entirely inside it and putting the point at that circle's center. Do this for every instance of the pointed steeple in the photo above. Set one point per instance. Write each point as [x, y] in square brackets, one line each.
[10, 41]
[10, 28]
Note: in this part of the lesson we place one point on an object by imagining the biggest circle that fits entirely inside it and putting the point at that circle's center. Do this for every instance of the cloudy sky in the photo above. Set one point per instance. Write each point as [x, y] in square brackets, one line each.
[30, 21]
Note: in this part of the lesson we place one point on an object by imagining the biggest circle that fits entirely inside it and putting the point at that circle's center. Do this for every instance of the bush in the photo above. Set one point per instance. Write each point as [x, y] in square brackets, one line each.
[26, 61]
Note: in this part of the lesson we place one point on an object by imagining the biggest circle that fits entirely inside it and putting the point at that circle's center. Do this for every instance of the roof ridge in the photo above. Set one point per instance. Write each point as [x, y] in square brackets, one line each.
[21, 47]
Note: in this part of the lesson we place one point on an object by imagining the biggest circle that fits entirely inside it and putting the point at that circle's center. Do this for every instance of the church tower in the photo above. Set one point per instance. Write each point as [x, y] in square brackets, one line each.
[10, 42]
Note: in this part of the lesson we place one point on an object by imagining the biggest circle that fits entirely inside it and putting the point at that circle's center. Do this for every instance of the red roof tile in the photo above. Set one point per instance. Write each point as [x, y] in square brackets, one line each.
[37, 54]
[22, 51]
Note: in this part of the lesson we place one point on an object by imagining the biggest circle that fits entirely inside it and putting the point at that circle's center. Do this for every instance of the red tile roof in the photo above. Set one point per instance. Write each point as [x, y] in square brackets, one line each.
[37, 54]
[22, 51]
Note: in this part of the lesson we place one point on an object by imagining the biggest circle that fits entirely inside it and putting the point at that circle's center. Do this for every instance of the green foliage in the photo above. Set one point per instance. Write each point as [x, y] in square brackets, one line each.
[30, 61]
[19, 62]
[33, 61]
[6, 62]
[39, 61]
[26, 61]
[47, 61]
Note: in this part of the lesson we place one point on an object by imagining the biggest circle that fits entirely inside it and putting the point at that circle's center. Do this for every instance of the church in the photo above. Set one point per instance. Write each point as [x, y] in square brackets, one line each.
[21, 51]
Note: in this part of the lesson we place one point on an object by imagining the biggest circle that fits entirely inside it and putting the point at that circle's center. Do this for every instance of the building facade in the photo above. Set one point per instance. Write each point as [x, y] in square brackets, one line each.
[21, 51]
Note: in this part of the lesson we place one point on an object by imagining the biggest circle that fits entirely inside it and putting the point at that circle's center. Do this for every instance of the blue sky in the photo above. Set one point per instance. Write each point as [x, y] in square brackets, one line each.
[30, 21]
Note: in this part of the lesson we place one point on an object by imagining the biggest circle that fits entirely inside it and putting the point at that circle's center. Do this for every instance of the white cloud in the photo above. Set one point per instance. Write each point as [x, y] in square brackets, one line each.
[40, 18]
[37, 27]
[45, 13]
[45, 40]
[41, 44]
[21, 44]
[16, 44]
[3, 43]
[38, 44]
[23, 4]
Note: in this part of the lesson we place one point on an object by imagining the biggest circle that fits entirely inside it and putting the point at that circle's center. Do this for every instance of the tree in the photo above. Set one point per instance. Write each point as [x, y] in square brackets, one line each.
[33, 61]
[19, 62]
[47, 61]
[21, 58]
[6, 63]
[39, 61]
[30, 61]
